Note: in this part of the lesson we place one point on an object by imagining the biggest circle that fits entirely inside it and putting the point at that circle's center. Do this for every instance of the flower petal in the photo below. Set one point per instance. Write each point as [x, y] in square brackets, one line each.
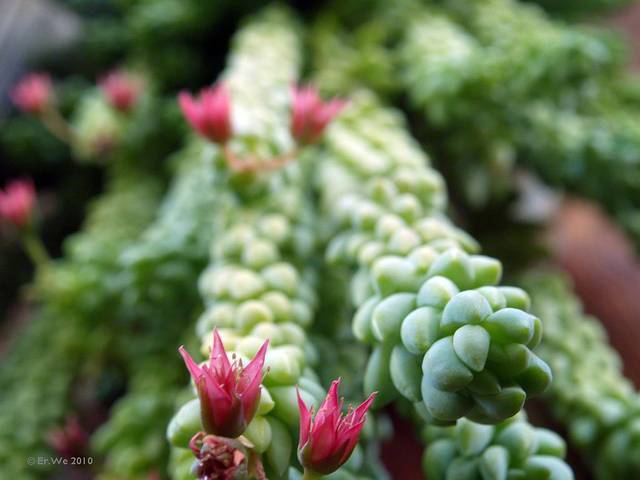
[254, 368]
[324, 439]
[218, 360]
[331, 401]
[305, 421]
[192, 366]
[361, 410]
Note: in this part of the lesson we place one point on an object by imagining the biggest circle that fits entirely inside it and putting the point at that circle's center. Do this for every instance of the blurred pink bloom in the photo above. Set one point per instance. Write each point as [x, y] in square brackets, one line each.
[33, 93]
[210, 113]
[310, 115]
[229, 393]
[327, 441]
[17, 202]
[122, 89]
[70, 440]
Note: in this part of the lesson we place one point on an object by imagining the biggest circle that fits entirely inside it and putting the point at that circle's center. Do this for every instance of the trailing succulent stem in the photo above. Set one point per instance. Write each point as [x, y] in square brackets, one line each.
[260, 283]
[589, 395]
[444, 335]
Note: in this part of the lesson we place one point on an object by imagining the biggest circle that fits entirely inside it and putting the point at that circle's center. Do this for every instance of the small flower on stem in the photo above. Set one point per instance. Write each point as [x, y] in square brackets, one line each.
[210, 113]
[70, 440]
[310, 115]
[229, 393]
[327, 441]
[17, 203]
[33, 94]
[17, 209]
[122, 89]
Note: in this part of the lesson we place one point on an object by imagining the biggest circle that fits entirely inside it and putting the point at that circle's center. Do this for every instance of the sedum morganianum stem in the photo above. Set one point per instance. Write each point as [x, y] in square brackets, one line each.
[260, 282]
[501, 84]
[445, 335]
[75, 305]
[590, 396]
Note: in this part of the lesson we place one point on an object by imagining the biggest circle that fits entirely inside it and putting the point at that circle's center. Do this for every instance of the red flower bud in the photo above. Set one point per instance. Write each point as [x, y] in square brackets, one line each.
[219, 458]
[229, 393]
[17, 202]
[33, 93]
[122, 89]
[327, 441]
[310, 115]
[210, 114]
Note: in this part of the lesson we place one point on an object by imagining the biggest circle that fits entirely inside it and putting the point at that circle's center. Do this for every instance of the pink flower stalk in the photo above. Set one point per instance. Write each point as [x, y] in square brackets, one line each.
[310, 115]
[17, 203]
[33, 93]
[122, 89]
[327, 441]
[229, 392]
[210, 114]
[70, 440]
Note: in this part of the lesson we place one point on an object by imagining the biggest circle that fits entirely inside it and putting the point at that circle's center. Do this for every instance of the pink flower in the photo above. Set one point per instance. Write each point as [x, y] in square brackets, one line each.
[310, 115]
[17, 202]
[122, 89]
[33, 93]
[229, 392]
[210, 114]
[327, 441]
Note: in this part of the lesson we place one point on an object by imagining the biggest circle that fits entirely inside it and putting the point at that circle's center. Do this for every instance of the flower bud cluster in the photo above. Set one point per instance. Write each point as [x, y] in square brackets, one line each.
[101, 118]
[246, 113]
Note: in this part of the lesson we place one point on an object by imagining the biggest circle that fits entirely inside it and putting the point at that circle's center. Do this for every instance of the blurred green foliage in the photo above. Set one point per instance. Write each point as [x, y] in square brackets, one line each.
[490, 87]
